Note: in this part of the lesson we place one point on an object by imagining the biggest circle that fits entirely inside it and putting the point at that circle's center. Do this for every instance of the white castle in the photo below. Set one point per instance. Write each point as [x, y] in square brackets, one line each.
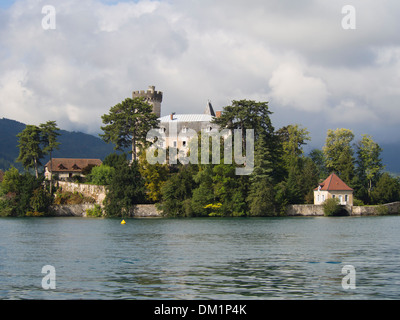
[180, 122]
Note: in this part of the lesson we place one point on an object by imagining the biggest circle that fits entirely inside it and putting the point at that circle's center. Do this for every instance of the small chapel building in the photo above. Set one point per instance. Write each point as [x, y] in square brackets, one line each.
[333, 187]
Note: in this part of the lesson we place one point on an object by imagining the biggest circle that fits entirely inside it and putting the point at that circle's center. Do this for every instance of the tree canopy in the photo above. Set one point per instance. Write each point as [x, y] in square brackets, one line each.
[127, 124]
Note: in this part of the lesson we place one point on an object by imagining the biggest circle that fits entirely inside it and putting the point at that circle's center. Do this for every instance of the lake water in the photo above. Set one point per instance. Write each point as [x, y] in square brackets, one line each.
[209, 258]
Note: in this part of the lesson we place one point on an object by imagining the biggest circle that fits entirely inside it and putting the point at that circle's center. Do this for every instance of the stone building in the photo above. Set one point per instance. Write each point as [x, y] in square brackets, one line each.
[333, 187]
[152, 97]
[178, 128]
[68, 167]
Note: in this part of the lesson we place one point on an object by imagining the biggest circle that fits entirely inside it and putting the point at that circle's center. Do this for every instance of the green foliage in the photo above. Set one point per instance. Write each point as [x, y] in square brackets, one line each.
[95, 212]
[155, 176]
[20, 194]
[178, 189]
[382, 210]
[331, 207]
[387, 190]
[318, 158]
[125, 190]
[30, 151]
[41, 200]
[358, 202]
[71, 198]
[128, 123]
[369, 165]
[101, 175]
[261, 199]
[339, 154]
[115, 160]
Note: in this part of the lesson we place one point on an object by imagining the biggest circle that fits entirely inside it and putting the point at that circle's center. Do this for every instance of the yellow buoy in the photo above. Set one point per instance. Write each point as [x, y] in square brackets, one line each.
[123, 222]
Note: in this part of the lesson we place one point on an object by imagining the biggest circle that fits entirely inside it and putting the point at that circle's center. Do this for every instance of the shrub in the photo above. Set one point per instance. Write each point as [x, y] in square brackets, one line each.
[382, 210]
[95, 212]
[331, 207]
[358, 202]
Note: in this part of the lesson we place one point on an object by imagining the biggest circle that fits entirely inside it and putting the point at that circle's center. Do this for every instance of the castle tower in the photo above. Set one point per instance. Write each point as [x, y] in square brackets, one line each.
[152, 97]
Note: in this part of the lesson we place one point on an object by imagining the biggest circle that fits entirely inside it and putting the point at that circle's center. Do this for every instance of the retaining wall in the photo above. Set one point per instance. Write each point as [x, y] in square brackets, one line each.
[88, 190]
[318, 210]
[79, 210]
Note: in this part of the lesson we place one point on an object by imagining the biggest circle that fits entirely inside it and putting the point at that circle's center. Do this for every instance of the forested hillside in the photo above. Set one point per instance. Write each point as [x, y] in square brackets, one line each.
[73, 144]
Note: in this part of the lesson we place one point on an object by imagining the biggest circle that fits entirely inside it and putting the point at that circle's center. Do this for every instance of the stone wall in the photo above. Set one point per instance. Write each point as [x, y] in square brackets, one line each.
[88, 190]
[304, 210]
[71, 210]
[79, 210]
[318, 210]
[392, 208]
[146, 211]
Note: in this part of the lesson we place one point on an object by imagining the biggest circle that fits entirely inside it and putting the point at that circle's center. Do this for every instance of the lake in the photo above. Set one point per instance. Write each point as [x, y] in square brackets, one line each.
[200, 258]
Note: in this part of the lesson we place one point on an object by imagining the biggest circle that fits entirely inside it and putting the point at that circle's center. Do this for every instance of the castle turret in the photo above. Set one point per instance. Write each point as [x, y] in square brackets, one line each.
[152, 97]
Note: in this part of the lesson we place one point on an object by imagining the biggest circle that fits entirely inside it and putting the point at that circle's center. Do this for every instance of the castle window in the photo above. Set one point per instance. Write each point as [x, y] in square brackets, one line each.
[174, 144]
[162, 130]
[184, 143]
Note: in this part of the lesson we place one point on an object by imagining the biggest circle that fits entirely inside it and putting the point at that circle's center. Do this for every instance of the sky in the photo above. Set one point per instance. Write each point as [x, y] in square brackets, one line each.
[316, 65]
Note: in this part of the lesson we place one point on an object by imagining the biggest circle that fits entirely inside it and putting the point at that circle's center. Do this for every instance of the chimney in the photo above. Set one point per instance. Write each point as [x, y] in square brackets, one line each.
[172, 115]
[218, 114]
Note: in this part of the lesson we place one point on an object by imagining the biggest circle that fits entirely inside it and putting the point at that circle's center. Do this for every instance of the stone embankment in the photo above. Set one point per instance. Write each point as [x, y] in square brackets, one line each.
[79, 210]
[318, 210]
[98, 193]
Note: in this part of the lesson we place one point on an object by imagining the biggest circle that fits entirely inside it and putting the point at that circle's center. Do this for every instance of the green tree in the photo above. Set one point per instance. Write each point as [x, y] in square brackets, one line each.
[246, 114]
[49, 134]
[177, 192]
[368, 160]
[40, 200]
[261, 196]
[249, 114]
[230, 190]
[21, 194]
[127, 125]
[387, 190]
[101, 175]
[114, 160]
[293, 138]
[317, 156]
[203, 196]
[125, 191]
[339, 153]
[30, 151]
[155, 175]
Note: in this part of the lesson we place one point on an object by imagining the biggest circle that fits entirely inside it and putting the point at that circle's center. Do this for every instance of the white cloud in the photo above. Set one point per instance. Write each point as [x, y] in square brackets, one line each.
[290, 87]
[294, 54]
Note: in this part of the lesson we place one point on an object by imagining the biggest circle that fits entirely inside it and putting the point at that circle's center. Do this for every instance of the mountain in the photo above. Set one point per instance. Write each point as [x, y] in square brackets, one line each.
[73, 145]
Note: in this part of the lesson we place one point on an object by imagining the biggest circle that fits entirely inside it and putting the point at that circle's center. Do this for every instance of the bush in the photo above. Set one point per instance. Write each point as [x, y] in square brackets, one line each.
[382, 210]
[95, 212]
[72, 198]
[358, 202]
[331, 207]
[101, 175]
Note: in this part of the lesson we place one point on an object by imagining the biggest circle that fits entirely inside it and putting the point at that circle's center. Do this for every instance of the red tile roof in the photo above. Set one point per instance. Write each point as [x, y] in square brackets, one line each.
[333, 183]
[71, 165]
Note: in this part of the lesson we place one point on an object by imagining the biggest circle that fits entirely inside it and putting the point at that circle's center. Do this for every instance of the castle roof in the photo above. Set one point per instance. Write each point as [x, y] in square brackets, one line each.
[209, 109]
[333, 183]
[71, 165]
[187, 118]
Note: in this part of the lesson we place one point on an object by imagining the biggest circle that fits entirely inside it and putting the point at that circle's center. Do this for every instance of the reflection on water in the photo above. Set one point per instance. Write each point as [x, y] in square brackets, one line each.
[216, 258]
